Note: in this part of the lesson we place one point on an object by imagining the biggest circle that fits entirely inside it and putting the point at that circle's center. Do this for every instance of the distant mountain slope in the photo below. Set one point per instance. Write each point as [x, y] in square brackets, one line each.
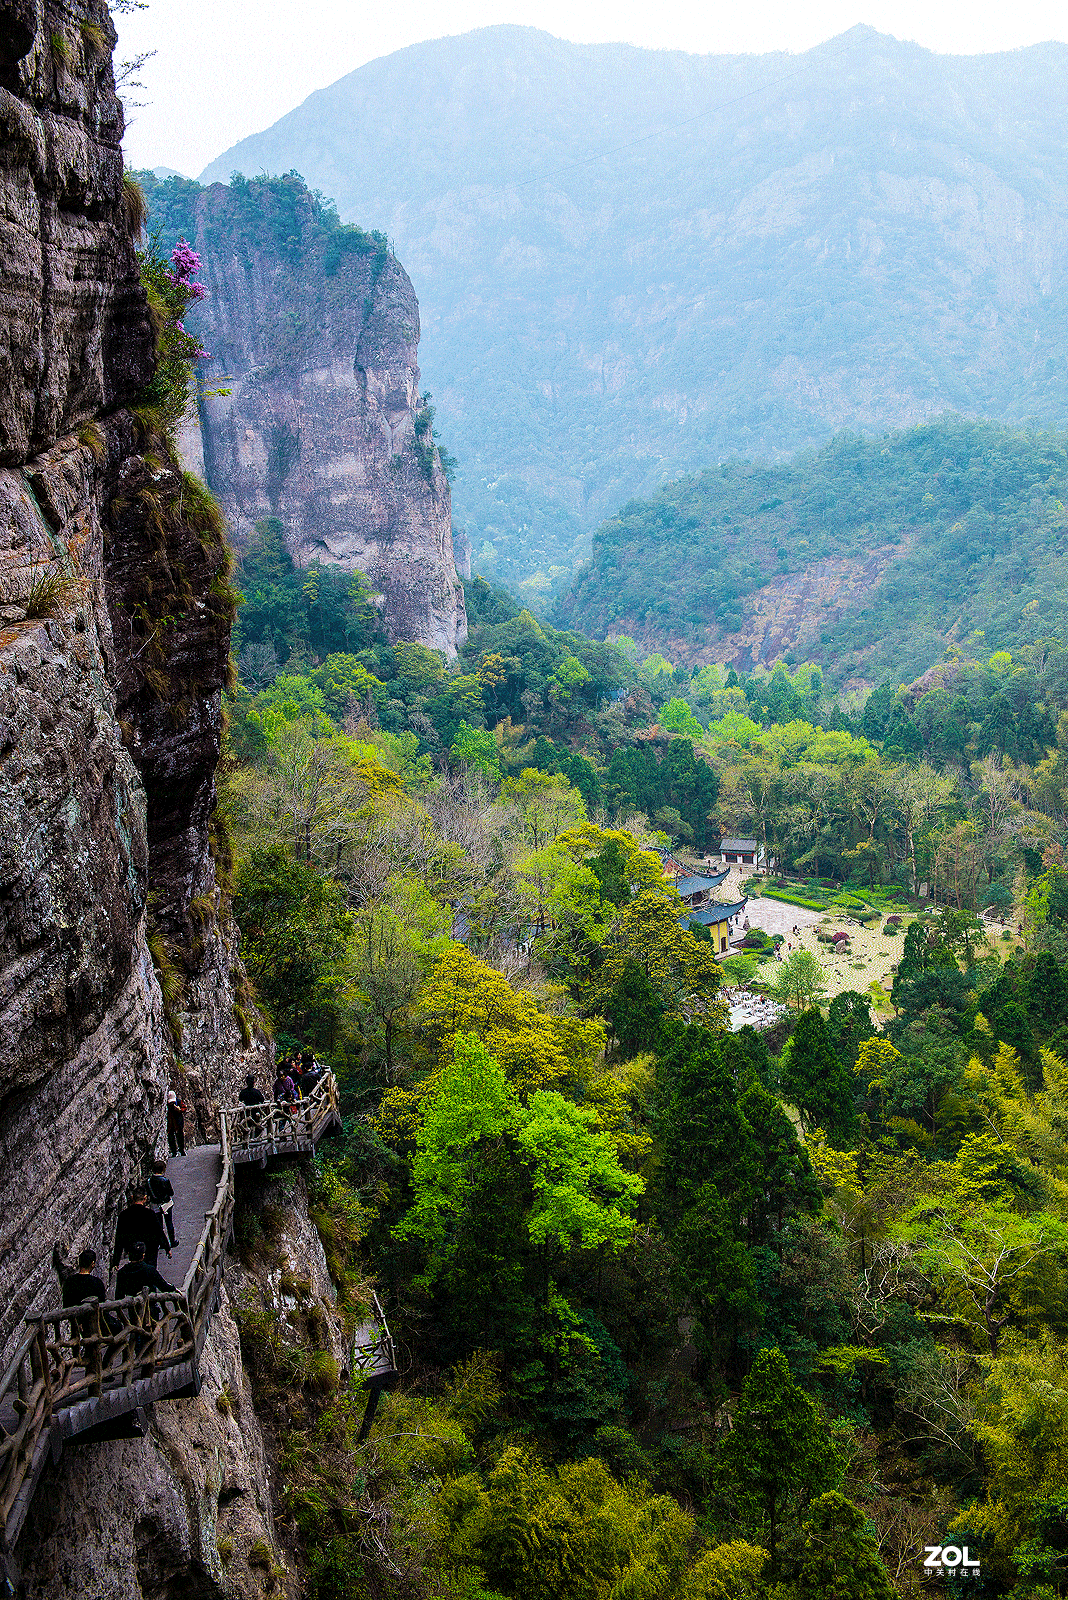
[863, 236]
[869, 556]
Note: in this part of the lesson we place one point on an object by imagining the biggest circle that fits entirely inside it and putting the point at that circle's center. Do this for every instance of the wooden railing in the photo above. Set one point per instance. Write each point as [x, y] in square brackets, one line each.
[80, 1366]
[271, 1129]
[375, 1353]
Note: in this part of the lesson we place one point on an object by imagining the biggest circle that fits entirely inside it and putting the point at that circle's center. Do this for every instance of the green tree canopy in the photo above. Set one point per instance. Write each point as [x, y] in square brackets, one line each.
[799, 981]
[813, 1079]
[840, 1560]
[779, 1453]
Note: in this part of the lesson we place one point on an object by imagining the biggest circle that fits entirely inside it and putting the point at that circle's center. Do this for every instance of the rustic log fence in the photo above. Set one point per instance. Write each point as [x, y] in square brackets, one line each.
[272, 1129]
[81, 1366]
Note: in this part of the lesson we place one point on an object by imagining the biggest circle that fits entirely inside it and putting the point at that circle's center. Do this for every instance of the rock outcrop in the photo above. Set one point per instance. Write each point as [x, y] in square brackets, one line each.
[314, 330]
[84, 1059]
[184, 1511]
[115, 939]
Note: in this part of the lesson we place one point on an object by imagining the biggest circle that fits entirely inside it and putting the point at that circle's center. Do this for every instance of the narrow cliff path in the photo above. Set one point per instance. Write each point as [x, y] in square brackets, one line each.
[195, 1177]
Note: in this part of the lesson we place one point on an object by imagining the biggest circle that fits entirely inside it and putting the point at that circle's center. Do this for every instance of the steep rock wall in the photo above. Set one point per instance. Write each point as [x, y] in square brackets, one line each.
[114, 634]
[84, 1053]
[74, 333]
[176, 1514]
[171, 606]
[315, 332]
[84, 1056]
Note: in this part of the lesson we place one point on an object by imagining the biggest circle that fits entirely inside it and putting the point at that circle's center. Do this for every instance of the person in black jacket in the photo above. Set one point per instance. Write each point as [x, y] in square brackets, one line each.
[138, 1225]
[137, 1275]
[250, 1095]
[175, 1124]
[84, 1284]
[161, 1197]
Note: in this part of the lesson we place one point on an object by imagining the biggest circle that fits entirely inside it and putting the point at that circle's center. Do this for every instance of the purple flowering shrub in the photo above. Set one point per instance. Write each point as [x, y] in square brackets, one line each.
[171, 288]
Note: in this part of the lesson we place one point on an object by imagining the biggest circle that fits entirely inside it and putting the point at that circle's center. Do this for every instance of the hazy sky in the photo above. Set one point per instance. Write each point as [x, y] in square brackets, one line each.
[230, 68]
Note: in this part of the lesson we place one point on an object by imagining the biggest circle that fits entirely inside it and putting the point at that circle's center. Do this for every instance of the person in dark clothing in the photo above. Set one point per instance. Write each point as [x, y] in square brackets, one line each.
[80, 1287]
[137, 1274]
[250, 1095]
[161, 1197]
[175, 1124]
[84, 1284]
[137, 1225]
[283, 1088]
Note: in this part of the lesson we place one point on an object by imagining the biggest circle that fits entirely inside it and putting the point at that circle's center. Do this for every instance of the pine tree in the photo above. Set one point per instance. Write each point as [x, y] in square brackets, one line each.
[779, 1452]
[635, 1011]
[841, 1561]
[813, 1079]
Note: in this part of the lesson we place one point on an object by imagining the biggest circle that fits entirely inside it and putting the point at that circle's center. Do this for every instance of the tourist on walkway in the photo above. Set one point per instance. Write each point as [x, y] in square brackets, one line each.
[250, 1095]
[139, 1227]
[138, 1274]
[161, 1197]
[84, 1284]
[175, 1124]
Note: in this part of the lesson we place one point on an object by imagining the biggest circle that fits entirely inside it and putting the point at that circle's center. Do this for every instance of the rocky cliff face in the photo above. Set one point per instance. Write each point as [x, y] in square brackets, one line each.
[115, 613]
[183, 1512]
[314, 330]
[84, 1052]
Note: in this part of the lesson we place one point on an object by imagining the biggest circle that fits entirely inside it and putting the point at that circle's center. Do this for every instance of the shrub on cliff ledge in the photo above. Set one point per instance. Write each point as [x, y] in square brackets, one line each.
[171, 289]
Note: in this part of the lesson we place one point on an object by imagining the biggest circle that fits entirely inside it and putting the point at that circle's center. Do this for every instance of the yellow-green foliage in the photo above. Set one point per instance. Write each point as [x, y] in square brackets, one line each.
[93, 440]
[535, 1049]
[569, 1534]
[620, 1094]
[1022, 1425]
[323, 1374]
[341, 1219]
[729, 1572]
[134, 206]
[170, 981]
[201, 510]
[94, 40]
[241, 1018]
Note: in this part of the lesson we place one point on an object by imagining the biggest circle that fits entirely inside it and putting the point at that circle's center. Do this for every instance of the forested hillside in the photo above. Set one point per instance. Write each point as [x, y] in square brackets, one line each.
[771, 248]
[869, 556]
[688, 1314]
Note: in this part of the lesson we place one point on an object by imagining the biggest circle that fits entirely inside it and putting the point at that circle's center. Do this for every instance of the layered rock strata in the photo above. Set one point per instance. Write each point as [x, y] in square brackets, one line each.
[184, 1511]
[115, 612]
[315, 334]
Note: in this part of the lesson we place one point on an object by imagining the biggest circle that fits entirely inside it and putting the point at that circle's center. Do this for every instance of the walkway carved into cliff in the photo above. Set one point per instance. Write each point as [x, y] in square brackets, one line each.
[271, 1129]
[80, 1367]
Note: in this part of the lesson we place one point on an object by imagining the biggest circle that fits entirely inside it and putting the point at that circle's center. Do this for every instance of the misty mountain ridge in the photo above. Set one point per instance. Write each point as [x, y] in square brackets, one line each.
[772, 248]
[870, 556]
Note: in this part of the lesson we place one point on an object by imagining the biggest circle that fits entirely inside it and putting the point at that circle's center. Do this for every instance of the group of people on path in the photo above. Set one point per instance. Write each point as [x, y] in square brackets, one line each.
[144, 1228]
[146, 1225]
[295, 1078]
